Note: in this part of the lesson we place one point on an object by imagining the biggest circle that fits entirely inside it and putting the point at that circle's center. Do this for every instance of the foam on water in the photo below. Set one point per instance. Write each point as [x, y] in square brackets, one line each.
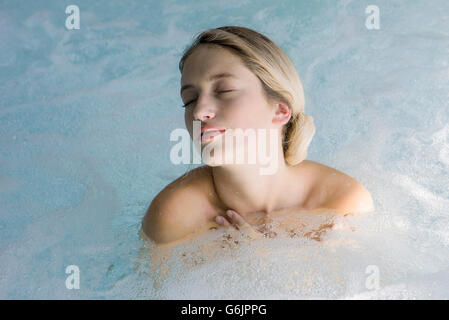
[85, 120]
[216, 266]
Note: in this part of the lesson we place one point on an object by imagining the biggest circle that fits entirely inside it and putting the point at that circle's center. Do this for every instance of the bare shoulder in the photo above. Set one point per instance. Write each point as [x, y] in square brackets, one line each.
[180, 209]
[339, 191]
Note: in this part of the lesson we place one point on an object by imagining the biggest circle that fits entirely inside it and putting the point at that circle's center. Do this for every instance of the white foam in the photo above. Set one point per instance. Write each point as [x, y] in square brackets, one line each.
[85, 118]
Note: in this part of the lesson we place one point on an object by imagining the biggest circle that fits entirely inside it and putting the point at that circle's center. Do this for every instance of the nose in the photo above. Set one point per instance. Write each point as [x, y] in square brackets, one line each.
[204, 110]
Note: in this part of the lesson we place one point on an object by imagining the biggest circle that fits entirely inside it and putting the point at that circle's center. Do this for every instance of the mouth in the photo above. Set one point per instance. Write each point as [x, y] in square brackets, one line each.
[210, 134]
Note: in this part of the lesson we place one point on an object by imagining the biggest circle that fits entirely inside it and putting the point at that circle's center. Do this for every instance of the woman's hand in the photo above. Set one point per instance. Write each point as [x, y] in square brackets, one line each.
[237, 222]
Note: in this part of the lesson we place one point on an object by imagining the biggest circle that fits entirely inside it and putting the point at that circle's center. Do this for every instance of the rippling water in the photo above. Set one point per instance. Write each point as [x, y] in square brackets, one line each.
[85, 118]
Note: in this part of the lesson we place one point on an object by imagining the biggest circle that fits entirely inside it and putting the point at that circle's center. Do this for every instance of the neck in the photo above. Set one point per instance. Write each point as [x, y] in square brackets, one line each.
[242, 188]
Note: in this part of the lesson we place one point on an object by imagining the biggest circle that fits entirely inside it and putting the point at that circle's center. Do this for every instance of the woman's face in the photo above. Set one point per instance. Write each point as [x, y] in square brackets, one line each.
[220, 91]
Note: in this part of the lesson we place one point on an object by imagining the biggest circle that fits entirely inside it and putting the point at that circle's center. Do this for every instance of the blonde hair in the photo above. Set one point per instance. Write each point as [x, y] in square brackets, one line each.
[279, 79]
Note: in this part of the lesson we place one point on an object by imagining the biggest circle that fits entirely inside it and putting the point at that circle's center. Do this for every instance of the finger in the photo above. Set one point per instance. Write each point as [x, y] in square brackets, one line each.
[246, 227]
[222, 222]
[237, 219]
[240, 224]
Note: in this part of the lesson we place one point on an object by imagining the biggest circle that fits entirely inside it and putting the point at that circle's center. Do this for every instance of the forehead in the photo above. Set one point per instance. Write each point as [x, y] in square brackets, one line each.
[207, 60]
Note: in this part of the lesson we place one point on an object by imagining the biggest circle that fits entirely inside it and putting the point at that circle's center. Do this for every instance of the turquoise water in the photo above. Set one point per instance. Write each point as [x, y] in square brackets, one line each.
[85, 119]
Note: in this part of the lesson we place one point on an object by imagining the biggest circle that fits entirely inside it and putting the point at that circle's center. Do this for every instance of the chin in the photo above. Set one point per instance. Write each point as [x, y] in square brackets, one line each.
[210, 149]
[213, 161]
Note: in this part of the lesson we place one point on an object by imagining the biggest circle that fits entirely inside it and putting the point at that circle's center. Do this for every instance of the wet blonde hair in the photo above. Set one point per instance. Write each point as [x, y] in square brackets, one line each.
[279, 79]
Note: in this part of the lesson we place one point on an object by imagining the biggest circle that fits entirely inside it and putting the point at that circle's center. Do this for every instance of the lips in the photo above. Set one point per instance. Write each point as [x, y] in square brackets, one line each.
[209, 132]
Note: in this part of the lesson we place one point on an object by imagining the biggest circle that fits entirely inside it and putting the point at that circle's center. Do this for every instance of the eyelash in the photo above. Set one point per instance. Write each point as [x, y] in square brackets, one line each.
[187, 104]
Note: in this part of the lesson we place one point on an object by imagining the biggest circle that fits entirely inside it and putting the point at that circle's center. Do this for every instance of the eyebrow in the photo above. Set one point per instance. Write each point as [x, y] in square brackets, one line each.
[211, 78]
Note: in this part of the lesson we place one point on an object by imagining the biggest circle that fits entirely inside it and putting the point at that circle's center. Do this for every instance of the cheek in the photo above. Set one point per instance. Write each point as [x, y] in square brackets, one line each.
[250, 113]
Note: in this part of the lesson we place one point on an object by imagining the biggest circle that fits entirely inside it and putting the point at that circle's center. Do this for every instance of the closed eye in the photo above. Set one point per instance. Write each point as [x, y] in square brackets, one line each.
[188, 103]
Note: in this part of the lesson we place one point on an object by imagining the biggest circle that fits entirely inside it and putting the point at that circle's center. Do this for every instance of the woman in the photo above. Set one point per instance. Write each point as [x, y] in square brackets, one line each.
[234, 77]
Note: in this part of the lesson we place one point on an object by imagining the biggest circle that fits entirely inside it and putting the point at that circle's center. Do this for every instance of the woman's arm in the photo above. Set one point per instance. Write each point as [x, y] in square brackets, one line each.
[173, 214]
